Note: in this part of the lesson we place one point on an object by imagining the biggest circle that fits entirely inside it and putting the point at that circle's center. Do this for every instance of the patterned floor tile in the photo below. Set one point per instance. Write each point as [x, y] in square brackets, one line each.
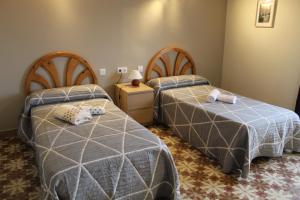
[201, 178]
[18, 173]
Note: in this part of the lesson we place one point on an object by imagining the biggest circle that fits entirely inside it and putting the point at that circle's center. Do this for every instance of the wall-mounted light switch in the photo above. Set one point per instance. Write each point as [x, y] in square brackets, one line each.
[102, 71]
[141, 68]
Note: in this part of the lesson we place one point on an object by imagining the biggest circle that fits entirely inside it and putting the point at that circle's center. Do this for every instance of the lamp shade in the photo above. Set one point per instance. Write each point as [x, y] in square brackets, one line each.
[135, 74]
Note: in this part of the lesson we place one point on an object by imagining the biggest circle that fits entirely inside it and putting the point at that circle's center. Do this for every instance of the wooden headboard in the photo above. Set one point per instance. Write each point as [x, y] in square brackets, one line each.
[182, 64]
[46, 62]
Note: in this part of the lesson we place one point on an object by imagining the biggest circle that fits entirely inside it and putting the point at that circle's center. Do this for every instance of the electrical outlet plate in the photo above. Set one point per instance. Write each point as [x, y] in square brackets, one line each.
[122, 70]
[141, 68]
[102, 71]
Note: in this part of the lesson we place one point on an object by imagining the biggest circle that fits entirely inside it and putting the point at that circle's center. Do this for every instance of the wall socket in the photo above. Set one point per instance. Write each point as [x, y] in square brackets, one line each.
[122, 70]
[102, 71]
[141, 68]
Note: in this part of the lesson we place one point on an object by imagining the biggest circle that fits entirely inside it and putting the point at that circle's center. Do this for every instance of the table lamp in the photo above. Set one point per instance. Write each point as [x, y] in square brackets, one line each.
[135, 76]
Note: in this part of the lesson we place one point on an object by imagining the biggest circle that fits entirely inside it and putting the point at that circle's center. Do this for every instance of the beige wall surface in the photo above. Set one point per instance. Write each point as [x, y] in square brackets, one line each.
[263, 63]
[108, 33]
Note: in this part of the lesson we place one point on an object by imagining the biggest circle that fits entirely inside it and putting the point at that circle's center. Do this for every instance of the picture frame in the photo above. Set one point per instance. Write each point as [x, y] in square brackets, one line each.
[265, 13]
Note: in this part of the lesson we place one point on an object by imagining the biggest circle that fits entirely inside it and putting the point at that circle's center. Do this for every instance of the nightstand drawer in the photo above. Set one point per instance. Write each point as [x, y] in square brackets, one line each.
[143, 116]
[140, 100]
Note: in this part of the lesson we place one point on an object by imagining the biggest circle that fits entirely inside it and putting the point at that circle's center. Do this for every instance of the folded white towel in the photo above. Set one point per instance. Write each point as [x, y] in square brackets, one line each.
[227, 98]
[97, 110]
[94, 110]
[72, 114]
[213, 95]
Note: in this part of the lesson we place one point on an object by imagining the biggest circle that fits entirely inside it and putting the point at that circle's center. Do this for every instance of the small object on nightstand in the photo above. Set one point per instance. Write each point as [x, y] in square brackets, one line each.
[135, 76]
[137, 102]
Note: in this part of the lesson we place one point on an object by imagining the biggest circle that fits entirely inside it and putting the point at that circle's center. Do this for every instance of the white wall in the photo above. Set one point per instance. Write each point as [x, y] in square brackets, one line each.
[263, 63]
[108, 33]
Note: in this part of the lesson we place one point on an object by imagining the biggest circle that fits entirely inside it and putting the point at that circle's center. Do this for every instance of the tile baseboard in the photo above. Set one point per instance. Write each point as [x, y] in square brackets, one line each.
[8, 133]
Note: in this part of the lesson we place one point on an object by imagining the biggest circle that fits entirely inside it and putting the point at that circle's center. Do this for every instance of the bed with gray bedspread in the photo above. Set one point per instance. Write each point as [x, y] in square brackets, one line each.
[234, 134]
[110, 157]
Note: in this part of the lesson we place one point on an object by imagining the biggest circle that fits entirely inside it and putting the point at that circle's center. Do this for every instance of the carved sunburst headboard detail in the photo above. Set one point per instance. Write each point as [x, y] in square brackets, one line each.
[182, 64]
[47, 63]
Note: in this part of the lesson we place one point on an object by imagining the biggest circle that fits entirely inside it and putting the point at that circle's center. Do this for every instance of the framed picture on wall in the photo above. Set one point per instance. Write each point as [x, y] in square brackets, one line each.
[265, 13]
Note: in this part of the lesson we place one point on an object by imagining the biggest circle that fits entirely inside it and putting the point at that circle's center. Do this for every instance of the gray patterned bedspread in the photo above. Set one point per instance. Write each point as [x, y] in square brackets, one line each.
[110, 157]
[234, 134]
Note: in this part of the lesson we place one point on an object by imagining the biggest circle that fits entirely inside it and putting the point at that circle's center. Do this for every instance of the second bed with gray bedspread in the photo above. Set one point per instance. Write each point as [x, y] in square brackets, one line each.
[110, 157]
[234, 134]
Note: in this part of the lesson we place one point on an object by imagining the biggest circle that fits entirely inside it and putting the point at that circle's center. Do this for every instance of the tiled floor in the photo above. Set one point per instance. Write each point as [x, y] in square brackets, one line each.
[201, 178]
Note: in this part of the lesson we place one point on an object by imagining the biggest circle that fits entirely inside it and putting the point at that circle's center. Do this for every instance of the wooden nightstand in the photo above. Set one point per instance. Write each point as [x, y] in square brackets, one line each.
[137, 102]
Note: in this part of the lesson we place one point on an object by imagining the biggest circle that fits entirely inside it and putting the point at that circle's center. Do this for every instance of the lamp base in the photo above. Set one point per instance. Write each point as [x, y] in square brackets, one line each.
[135, 82]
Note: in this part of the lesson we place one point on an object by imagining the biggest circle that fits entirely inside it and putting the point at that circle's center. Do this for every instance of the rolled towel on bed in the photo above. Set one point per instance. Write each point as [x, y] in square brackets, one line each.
[213, 95]
[227, 98]
[72, 114]
[97, 110]
[94, 110]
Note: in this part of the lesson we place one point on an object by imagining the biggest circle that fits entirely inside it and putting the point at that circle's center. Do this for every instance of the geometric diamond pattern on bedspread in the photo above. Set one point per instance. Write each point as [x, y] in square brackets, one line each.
[111, 157]
[234, 134]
